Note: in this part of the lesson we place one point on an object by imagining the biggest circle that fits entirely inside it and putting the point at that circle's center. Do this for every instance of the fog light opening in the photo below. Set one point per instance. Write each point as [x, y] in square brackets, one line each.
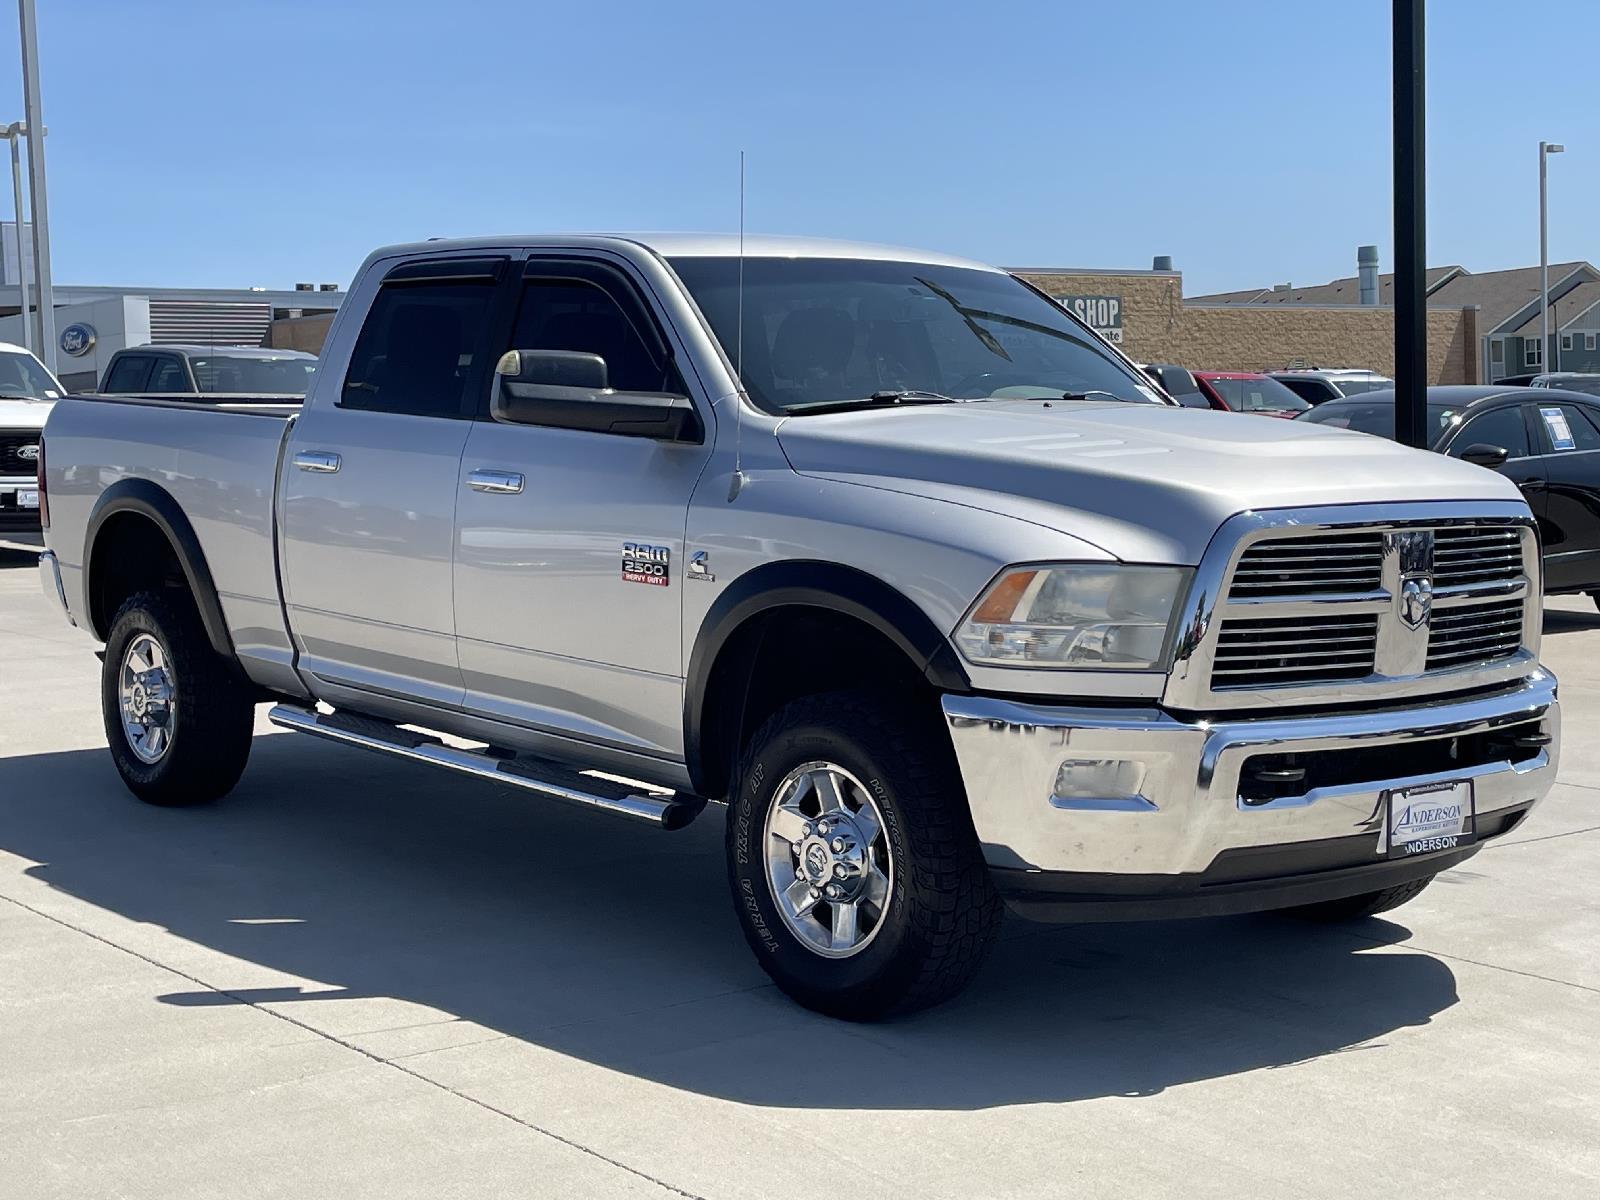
[1099, 779]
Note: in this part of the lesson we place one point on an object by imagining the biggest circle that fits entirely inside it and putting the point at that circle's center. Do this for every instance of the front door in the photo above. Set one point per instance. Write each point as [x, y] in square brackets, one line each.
[569, 563]
[369, 487]
[1571, 449]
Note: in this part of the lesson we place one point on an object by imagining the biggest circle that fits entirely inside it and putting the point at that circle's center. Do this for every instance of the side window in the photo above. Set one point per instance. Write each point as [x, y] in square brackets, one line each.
[1567, 428]
[127, 374]
[168, 376]
[1502, 427]
[417, 348]
[580, 315]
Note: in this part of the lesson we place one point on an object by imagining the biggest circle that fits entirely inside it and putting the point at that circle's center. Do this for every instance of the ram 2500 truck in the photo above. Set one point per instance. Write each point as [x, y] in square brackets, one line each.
[882, 549]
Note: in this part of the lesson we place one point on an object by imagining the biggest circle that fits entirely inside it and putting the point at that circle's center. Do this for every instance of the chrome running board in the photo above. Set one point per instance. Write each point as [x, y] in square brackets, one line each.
[668, 810]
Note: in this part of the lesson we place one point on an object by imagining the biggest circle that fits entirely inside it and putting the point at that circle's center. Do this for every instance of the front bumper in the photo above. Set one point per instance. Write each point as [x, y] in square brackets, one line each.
[1191, 814]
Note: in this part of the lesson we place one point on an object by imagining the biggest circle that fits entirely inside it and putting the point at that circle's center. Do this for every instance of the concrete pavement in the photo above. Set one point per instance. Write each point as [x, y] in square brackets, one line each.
[353, 978]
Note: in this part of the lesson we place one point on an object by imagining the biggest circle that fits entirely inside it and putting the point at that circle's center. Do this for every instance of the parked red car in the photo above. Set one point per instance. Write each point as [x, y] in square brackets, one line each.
[1249, 392]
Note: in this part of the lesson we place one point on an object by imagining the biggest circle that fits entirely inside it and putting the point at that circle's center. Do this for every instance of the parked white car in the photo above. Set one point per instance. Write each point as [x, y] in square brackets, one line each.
[27, 393]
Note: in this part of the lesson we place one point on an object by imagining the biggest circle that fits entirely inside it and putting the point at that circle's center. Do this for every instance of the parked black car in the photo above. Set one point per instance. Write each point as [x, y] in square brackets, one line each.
[1546, 440]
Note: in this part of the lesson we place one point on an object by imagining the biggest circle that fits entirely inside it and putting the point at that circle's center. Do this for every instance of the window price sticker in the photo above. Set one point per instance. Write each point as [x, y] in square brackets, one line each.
[1555, 423]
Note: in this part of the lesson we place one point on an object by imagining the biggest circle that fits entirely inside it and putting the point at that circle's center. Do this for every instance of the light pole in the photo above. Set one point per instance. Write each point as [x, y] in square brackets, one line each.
[11, 133]
[34, 116]
[1545, 150]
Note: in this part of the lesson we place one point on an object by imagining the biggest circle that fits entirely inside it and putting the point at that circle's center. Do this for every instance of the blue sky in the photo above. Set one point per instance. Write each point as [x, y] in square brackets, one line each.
[239, 143]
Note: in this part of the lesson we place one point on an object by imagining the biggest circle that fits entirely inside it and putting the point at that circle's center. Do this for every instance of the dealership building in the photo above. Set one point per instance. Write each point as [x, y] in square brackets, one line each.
[93, 322]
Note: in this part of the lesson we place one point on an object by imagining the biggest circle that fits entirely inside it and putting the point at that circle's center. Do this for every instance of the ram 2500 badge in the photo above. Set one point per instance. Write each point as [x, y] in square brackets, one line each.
[881, 548]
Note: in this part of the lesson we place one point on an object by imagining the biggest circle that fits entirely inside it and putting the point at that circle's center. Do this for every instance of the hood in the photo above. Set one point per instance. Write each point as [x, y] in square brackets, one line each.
[18, 412]
[1146, 483]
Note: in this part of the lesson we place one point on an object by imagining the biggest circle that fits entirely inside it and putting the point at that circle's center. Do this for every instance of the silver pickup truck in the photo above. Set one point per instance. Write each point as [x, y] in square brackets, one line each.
[882, 549]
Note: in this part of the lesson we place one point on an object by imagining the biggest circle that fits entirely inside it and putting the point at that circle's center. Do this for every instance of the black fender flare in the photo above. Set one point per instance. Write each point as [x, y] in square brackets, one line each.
[804, 583]
[154, 503]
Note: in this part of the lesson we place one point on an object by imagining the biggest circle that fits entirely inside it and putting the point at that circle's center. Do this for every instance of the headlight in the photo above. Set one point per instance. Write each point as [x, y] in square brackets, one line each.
[1087, 615]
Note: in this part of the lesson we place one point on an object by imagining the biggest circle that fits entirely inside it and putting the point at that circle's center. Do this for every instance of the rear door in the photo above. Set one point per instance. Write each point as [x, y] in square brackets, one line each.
[1570, 443]
[570, 549]
[369, 485]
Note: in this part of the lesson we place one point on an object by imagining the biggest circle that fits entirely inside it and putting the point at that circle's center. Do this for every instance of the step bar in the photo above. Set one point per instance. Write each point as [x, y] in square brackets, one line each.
[667, 810]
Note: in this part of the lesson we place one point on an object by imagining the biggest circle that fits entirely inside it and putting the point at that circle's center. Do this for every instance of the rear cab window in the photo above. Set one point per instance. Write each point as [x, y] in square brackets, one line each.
[129, 373]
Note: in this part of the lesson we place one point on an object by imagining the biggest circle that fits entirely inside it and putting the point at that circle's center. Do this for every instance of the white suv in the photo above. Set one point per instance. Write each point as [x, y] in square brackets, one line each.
[1316, 385]
[27, 393]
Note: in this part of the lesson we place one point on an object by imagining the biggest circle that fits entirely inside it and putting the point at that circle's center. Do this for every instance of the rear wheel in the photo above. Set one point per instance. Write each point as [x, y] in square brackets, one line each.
[856, 873]
[177, 717]
[1367, 904]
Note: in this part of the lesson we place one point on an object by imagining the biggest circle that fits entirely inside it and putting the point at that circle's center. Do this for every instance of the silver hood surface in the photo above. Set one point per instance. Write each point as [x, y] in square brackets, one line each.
[1145, 483]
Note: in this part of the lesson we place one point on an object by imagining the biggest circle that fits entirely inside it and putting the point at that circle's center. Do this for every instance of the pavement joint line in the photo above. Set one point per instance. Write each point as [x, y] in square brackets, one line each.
[1461, 958]
[379, 1059]
[1549, 837]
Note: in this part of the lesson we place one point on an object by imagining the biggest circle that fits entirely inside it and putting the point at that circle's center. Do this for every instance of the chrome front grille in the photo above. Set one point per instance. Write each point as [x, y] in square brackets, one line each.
[1474, 633]
[1321, 566]
[1359, 603]
[1286, 650]
[1472, 555]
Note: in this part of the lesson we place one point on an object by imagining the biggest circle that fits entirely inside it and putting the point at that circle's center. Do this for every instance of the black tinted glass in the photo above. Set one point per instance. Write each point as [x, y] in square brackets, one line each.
[168, 376]
[573, 314]
[128, 374]
[252, 376]
[1502, 427]
[818, 330]
[1378, 418]
[416, 350]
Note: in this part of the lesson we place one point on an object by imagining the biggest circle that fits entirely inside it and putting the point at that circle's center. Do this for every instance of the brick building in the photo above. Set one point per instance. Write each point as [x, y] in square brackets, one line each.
[1146, 312]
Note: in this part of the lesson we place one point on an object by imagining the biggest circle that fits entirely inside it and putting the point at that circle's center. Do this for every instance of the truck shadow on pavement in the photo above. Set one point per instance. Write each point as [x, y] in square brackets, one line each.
[616, 945]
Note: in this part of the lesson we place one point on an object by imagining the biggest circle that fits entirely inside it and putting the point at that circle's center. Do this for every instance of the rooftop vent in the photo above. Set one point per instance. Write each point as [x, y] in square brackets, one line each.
[305, 287]
[1163, 262]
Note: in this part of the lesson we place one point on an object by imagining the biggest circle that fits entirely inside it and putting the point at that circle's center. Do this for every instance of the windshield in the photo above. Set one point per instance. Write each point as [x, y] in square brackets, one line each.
[253, 376]
[1354, 387]
[24, 375]
[1589, 384]
[1258, 395]
[1378, 418]
[820, 330]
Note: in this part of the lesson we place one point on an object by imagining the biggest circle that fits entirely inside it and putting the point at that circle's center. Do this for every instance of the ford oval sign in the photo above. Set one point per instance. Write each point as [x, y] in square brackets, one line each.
[77, 340]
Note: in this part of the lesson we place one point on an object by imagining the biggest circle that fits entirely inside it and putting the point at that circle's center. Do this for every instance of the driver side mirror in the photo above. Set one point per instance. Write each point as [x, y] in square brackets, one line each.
[1485, 455]
[567, 389]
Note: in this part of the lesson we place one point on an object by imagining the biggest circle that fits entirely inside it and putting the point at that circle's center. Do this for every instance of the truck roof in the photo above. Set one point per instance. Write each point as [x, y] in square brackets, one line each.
[694, 245]
[233, 351]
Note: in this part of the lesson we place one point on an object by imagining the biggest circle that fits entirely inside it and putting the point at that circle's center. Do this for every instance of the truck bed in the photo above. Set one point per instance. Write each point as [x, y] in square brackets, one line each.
[218, 461]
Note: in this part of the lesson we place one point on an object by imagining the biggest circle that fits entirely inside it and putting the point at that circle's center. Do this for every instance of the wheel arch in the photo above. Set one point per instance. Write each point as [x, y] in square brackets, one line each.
[722, 663]
[141, 502]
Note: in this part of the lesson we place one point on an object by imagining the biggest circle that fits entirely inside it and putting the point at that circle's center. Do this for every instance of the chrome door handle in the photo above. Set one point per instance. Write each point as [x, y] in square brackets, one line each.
[504, 482]
[324, 462]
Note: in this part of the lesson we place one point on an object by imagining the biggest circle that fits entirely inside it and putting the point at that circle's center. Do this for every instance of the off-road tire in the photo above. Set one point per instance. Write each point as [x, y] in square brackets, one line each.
[1367, 904]
[213, 707]
[943, 912]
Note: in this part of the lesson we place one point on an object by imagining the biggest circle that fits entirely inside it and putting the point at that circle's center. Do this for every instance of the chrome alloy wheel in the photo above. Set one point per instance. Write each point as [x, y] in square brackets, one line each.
[828, 862]
[146, 699]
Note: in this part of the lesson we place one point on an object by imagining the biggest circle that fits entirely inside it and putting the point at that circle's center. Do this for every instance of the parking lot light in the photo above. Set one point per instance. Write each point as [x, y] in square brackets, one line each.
[1545, 150]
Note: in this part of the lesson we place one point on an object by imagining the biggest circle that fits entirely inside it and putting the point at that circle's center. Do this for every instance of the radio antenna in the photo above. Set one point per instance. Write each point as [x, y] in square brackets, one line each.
[736, 484]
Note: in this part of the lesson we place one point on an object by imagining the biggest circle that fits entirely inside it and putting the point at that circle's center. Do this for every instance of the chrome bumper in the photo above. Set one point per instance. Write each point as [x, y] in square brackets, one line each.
[50, 584]
[1182, 806]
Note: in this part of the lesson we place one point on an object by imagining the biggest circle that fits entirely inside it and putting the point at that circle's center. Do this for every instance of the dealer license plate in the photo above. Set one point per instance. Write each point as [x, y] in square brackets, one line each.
[28, 499]
[1425, 820]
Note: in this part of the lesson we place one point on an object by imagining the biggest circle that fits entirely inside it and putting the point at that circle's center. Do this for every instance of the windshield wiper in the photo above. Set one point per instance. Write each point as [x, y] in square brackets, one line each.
[1092, 394]
[892, 398]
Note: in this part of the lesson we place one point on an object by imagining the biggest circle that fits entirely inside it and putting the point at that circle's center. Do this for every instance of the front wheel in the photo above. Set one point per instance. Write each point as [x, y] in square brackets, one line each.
[178, 720]
[856, 874]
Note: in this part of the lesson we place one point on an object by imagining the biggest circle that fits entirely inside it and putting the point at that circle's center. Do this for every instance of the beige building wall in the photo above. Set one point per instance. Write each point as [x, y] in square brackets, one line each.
[299, 333]
[1157, 326]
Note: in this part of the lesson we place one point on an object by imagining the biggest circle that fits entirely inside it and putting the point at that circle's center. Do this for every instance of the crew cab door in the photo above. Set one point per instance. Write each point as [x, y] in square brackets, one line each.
[1570, 445]
[553, 631]
[369, 482]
